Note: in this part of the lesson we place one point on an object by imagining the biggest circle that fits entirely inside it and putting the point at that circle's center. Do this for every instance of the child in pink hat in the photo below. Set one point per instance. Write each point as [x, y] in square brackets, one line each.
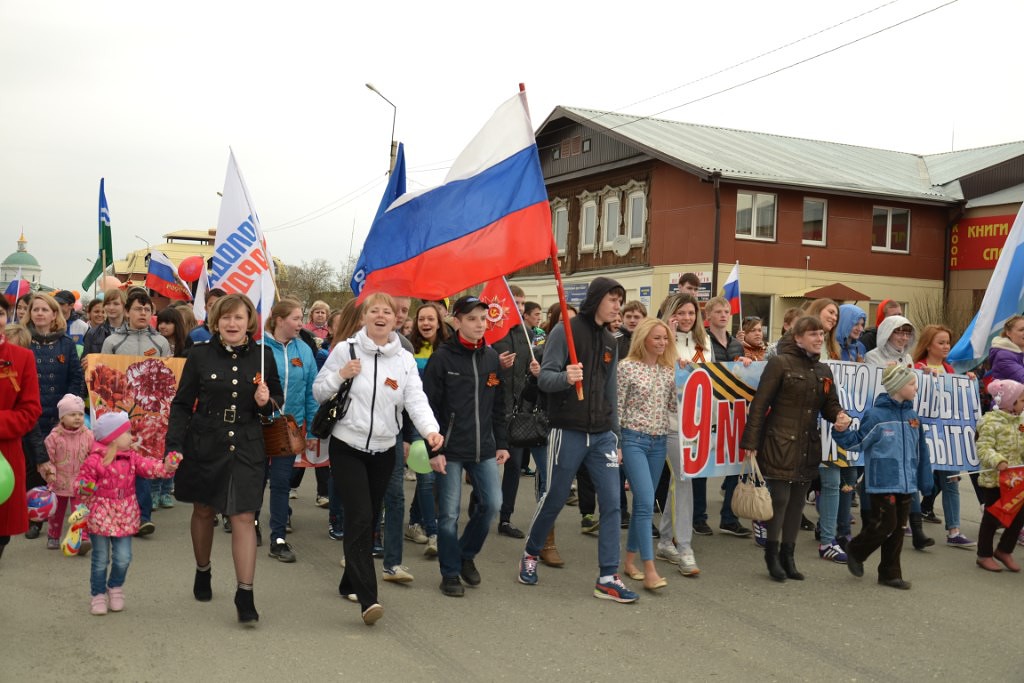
[67, 445]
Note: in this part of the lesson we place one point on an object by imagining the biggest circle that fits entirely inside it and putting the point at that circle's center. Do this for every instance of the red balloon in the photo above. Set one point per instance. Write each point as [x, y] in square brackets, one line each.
[191, 268]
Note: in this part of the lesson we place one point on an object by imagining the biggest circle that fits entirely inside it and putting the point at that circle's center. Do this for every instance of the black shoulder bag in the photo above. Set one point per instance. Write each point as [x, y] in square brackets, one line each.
[334, 408]
[527, 428]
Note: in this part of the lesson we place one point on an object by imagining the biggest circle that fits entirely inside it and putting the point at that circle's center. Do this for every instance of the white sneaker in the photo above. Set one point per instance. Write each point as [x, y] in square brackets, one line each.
[410, 475]
[668, 553]
[397, 574]
[431, 549]
[414, 533]
[322, 501]
[342, 561]
[293, 494]
[688, 563]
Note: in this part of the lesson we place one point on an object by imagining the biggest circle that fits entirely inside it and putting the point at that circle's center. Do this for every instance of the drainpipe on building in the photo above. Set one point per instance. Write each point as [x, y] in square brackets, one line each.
[716, 177]
[961, 209]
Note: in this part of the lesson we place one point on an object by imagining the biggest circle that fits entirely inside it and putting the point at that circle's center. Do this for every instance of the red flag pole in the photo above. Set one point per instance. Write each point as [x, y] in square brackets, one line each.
[561, 290]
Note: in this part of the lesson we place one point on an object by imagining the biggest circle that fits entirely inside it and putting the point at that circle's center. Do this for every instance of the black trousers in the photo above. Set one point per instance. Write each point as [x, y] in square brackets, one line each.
[510, 481]
[322, 475]
[361, 479]
[883, 528]
[989, 525]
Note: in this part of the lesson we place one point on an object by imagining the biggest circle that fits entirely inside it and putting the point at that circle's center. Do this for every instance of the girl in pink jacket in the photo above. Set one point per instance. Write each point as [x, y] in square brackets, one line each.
[67, 445]
[107, 485]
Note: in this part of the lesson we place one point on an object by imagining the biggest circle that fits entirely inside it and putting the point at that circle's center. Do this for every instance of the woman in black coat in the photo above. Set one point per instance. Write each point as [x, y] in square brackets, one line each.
[215, 425]
[782, 428]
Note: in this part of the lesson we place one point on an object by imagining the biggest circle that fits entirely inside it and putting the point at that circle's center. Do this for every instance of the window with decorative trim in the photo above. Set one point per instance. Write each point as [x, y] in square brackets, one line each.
[560, 224]
[815, 221]
[755, 216]
[611, 218]
[890, 229]
[588, 223]
[636, 212]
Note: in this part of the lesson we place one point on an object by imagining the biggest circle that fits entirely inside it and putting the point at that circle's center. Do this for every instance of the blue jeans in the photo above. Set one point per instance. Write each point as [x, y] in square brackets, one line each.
[451, 549]
[834, 504]
[279, 473]
[162, 487]
[567, 450]
[145, 497]
[102, 548]
[643, 456]
[423, 510]
[394, 511]
[950, 489]
[700, 501]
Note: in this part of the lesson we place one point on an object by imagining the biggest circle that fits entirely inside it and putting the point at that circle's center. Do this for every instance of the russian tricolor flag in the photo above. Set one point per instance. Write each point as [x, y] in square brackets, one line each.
[17, 288]
[163, 279]
[489, 218]
[731, 289]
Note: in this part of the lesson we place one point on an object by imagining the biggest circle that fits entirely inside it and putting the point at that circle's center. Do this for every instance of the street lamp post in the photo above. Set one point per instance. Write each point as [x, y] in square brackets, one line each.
[394, 117]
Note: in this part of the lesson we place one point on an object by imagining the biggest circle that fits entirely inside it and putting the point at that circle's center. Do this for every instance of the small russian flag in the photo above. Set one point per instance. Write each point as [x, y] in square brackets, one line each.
[731, 289]
[17, 288]
[163, 279]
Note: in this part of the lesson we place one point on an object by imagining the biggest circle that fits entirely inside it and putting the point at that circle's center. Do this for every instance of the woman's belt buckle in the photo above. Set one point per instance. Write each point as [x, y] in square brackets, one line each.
[229, 415]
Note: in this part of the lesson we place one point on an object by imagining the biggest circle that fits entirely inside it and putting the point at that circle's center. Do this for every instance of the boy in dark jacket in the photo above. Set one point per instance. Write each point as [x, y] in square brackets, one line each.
[896, 465]
[583, 432]
[462, 382]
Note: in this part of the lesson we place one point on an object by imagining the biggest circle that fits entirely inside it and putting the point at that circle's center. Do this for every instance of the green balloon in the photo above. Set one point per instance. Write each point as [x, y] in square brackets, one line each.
[419, 459]
[6, 479]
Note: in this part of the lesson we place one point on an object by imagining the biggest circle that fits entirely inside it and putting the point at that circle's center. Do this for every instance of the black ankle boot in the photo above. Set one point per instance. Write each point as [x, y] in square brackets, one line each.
[921, 541]
[771, 559]
[788, 563]
[201, 587]
[247, 613]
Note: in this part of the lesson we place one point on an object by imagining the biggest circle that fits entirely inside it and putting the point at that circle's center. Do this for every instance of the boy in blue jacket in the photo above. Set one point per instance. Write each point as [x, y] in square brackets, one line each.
[891, 441]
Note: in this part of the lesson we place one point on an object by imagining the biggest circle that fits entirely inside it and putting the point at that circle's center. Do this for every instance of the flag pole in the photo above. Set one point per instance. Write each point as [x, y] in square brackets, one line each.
[563, 304]
[259, 317]
[522, 323]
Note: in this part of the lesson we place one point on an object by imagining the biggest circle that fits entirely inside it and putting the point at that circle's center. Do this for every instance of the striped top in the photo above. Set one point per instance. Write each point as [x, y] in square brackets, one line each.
[647, 398]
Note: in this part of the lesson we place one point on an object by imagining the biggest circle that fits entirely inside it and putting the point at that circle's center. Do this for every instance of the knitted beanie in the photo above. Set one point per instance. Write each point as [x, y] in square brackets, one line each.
[1004, 393]
[109, 426]
[70, 404]
[895, 377]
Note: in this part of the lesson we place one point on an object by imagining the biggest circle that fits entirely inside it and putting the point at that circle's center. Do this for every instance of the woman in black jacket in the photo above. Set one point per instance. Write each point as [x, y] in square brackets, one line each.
[215, 425]
[782, 427]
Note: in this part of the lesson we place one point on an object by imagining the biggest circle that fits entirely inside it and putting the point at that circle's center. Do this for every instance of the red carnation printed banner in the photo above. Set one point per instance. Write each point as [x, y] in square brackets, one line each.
[142, 387]
[1011, 496]
[502, 311]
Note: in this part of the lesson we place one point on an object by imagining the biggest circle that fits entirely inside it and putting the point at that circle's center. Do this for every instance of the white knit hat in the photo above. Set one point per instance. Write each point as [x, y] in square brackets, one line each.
[109, 426]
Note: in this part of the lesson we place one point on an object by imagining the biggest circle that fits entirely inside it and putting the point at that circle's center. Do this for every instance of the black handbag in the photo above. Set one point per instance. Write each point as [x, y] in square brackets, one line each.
[334, 408]
[527, 428]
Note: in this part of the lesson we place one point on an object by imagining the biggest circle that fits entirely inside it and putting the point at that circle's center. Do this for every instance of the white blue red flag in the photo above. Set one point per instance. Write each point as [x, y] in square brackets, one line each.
[199, 305]
[241, 261]
[489, 218]
[17, 288]
[1004, 298]
[731, 289]
[163, 278]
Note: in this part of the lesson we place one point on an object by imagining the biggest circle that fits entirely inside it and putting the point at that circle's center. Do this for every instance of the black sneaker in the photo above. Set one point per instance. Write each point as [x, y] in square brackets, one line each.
[280, 550]
[469, 573]
[655, 532]
[145, 529]
[624, 523]
[527, 472]
[452, 587]
[510, 530]
[736, 529]
[335, 532]
[227, 525]
[702, 529]
[33, 530]
[806, 524]
[931, 517]
[259, 536]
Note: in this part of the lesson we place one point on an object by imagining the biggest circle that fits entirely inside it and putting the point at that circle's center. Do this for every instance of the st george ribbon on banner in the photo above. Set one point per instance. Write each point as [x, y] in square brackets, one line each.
[502, 311]
[1004, 298]
[489, 218]
[241, 261]
[714, 399]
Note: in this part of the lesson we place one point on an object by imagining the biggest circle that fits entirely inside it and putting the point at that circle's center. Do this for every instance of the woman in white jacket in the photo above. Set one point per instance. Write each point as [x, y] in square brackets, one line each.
[362, 446]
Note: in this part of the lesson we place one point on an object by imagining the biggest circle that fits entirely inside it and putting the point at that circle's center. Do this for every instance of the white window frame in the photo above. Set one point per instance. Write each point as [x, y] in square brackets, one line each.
[588, 199]
[824, 222]
[608, 196]
[753, 215]
[560, 205]
[634, 190]
[888, 230]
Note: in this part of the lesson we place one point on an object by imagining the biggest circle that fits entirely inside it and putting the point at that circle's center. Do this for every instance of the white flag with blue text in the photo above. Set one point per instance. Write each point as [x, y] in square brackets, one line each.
[1004, 298]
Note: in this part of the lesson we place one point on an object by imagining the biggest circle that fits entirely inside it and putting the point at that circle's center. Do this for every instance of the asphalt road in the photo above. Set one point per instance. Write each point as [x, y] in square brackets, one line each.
[731, 623]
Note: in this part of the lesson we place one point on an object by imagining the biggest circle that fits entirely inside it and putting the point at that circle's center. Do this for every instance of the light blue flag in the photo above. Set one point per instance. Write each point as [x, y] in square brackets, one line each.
[1004, 298]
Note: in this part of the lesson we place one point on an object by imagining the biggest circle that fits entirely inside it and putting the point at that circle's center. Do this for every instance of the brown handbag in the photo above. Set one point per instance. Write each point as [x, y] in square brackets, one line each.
[282, 435]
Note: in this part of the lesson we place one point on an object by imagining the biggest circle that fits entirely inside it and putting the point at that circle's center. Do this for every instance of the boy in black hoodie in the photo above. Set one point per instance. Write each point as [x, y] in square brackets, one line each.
[583, 432]
[462, 382]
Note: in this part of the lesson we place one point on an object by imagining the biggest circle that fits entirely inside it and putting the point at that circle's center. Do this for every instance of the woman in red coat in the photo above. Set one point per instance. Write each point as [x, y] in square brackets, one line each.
[19, 411]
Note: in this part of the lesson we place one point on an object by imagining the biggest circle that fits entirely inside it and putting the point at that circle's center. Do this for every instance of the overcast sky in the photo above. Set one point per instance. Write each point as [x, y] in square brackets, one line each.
[151, 95]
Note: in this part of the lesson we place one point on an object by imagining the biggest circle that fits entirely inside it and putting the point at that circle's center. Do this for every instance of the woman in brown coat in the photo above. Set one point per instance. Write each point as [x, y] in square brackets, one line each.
[782, 428]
